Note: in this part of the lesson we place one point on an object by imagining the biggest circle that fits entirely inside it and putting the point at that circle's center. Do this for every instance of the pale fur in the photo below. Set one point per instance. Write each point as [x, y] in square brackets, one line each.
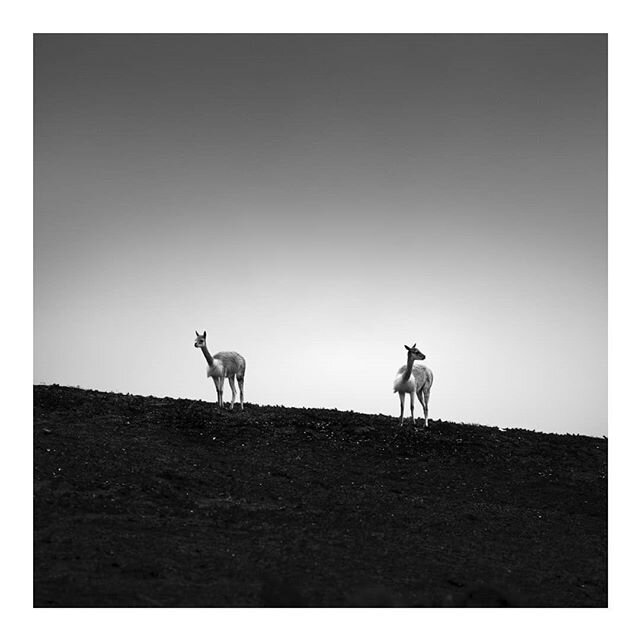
[224, 364]
[417, 384]
[420, 376]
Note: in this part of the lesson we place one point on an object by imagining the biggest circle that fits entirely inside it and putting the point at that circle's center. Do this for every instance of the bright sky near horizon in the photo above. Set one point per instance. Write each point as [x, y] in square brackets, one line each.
[315, 202]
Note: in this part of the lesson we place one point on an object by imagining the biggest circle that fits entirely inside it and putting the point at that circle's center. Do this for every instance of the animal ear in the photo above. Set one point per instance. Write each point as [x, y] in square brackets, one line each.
[204, 335]
[414, 345]
[197, 332]
[407, 348]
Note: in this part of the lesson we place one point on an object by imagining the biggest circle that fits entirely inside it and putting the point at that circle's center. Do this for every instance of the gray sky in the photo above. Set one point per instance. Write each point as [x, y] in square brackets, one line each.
[315, 202]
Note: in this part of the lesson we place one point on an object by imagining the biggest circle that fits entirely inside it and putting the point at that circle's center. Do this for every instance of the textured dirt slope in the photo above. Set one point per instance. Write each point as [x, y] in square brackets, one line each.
[142, 501]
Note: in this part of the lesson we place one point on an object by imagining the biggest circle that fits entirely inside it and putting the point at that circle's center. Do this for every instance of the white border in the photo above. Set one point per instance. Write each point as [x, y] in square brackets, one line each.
[327, 16]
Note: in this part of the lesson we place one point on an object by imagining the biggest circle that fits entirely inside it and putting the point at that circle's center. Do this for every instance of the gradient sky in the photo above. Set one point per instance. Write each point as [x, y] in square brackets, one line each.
[317, 201]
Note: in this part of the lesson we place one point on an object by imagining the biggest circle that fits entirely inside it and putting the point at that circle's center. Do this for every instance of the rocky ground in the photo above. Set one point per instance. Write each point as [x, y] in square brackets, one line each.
[148, 502]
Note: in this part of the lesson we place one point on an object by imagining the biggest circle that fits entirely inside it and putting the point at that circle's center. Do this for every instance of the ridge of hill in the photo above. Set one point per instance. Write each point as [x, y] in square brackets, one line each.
[144, 501]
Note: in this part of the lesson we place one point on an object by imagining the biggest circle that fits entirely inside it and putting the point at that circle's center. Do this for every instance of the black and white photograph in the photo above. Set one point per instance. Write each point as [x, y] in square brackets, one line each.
[320, 320]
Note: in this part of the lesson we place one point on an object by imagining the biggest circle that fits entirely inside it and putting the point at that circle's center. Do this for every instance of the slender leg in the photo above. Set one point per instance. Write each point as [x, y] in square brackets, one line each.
[241, 385]
[232, 384]
[219, 382]
[217, 386]
[222, 378]
[413, 398]
[401, 394]
[426, 408]
[421, 399]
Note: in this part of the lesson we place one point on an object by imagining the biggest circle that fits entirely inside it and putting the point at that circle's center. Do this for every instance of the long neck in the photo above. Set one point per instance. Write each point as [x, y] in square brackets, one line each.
[207, 355]
[407, 372]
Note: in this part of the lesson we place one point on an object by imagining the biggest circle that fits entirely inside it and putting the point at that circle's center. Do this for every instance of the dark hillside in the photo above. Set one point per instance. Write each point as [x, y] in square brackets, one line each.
[143, 501]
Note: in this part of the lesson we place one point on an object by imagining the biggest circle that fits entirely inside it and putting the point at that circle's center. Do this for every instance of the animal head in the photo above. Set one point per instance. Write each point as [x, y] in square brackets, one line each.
[415, 353]
[201, 340]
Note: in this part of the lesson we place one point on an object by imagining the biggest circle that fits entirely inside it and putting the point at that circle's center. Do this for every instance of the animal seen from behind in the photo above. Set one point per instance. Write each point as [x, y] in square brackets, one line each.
[224, 364]
[414, 379]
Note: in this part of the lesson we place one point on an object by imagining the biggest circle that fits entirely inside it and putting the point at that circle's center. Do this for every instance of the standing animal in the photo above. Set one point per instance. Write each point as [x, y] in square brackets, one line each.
[414, 379]
[224, 364]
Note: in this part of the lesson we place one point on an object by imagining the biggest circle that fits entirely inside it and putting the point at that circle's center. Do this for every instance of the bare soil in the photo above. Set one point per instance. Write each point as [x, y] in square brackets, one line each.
[149, 502]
